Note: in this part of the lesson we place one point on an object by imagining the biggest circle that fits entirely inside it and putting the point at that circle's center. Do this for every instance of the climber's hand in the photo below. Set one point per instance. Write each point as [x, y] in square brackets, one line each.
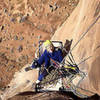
[28, 68]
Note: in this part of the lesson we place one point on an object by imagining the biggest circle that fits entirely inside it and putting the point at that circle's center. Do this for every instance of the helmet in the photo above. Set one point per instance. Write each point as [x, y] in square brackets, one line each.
[47, 43]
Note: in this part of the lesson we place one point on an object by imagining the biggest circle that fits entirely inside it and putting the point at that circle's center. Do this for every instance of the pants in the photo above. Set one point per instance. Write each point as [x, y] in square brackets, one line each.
[42, 75]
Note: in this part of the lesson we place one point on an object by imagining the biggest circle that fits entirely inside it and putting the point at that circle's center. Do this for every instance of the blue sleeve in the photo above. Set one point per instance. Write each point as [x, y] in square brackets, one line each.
[60, 55]
[42, 58]
[47, 61]
[39, 61]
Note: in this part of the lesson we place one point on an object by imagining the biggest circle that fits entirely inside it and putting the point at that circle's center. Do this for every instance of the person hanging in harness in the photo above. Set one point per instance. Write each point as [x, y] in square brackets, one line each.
[50, 52]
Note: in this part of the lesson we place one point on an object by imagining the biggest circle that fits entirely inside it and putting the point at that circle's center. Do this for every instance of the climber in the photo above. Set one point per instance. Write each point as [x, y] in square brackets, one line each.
[50, 52]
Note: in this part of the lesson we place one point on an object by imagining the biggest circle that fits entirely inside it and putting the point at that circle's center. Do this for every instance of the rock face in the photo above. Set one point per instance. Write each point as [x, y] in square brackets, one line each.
[22, 24]
[21, 82]
[82, 17]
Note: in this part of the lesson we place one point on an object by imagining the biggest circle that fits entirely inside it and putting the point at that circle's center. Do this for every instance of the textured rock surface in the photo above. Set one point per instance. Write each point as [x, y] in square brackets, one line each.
[25, 23]
[21, 82]
[22, 24]
[82, 17]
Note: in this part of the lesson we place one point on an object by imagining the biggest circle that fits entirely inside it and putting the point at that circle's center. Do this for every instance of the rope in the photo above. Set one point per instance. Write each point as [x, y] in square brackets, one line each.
[84, 60]
[61, 76]
[75, 91]
[86, 90]
[70, 59]
[85, 32]
[82, 36]
[70, 56]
